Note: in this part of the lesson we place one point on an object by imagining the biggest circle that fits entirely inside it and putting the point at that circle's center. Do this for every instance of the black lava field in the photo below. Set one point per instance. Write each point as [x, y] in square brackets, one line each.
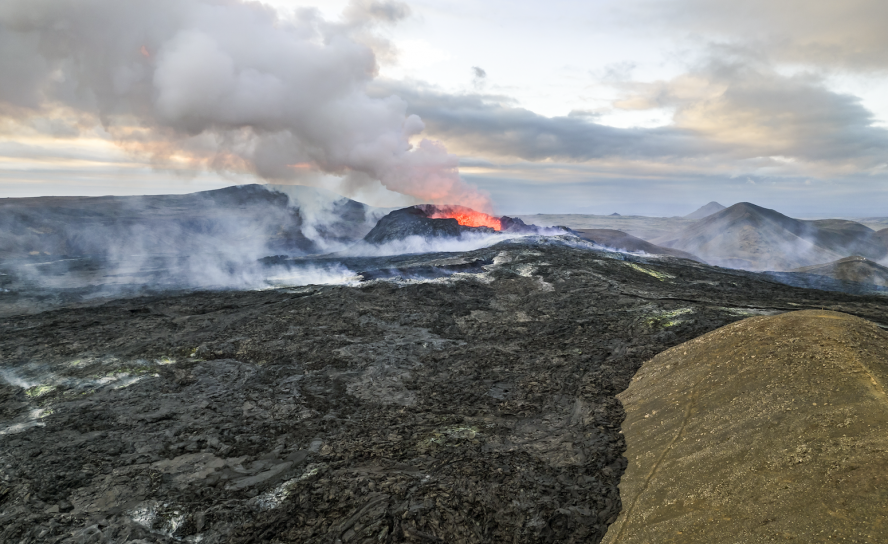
[460, 397]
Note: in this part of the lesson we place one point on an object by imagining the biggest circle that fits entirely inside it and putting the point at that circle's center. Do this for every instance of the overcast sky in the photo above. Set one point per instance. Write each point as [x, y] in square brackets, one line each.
[651, 107]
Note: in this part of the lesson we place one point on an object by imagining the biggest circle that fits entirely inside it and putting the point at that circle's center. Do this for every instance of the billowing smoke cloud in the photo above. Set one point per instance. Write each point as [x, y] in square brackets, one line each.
[225, 85]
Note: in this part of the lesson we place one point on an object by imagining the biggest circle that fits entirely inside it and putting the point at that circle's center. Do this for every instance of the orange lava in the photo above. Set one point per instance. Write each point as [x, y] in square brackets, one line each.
[467, 217]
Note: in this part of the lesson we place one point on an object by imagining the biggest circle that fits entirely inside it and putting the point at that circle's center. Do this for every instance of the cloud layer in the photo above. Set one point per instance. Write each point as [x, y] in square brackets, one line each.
[225, 85]
[745, 96]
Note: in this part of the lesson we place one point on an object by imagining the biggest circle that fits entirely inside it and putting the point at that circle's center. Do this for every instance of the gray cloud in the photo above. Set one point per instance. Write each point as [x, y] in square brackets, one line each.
[360, 12]
[848, 34]
[735, 98]
[483, 124]
[225, 85]
[731, 109]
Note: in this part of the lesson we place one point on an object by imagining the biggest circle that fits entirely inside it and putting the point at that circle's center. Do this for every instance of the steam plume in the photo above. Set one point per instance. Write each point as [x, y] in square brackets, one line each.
[226, 85]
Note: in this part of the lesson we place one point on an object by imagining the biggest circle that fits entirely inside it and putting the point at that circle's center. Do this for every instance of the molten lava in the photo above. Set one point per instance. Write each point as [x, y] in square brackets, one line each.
[467, 217]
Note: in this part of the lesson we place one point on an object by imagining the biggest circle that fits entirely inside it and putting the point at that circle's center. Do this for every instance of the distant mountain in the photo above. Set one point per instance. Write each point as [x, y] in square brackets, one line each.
[755, 238]
[881, 237]
[857, 269]
[245, 221]
[621, 241]
[705, 211]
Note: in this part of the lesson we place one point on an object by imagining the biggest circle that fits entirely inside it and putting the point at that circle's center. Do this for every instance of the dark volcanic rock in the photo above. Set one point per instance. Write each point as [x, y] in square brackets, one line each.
[420, 221]
[474, 408]
[414, 221]
[513, 224]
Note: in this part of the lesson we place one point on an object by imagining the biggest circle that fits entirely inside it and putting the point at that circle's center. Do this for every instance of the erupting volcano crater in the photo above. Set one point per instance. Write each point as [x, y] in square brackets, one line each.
[466, 217]
[443, 221]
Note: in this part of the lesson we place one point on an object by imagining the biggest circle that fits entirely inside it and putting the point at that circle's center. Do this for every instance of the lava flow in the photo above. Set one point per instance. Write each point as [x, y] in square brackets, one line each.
[466, 217]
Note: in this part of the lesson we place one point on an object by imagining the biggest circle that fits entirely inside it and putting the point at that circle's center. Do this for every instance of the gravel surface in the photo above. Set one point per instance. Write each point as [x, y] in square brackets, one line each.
[771, 429]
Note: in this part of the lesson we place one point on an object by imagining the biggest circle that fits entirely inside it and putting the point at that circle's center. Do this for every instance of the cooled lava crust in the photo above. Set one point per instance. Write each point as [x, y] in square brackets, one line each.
[476, 407]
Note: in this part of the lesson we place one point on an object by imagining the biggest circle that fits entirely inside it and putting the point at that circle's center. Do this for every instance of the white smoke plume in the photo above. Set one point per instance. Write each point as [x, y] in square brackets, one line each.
[226, 85]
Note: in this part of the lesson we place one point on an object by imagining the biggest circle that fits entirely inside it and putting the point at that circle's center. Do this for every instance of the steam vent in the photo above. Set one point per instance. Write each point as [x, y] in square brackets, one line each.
[772, 428]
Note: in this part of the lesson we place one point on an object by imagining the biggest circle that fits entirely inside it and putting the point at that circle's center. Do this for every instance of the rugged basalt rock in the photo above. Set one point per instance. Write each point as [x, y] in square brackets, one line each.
[474, 406]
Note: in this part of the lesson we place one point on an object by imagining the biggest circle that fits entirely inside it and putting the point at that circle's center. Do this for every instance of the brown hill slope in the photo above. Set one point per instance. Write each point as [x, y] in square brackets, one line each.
[756, 238]
[621, 241]
[856, 268]
[772, 428]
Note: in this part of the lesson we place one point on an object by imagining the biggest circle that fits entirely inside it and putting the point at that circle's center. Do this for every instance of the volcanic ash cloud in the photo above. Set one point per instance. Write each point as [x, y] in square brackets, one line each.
[229, 86]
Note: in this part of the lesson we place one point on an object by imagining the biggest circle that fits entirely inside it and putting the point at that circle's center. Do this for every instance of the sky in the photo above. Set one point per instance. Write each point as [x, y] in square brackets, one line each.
[651, 107]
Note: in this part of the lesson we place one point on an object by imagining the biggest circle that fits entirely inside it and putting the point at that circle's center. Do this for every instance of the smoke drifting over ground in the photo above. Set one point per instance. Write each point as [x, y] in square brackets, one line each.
[419, 244]
[82, 250]
[228, 86]
[212, 239]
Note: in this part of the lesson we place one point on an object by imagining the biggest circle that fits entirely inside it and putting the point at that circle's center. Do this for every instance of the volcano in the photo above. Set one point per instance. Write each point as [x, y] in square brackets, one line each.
[443, 221]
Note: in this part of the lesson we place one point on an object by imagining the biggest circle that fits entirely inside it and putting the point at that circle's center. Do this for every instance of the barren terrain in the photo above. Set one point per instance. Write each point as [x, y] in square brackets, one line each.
[771, 429]
[448, 397]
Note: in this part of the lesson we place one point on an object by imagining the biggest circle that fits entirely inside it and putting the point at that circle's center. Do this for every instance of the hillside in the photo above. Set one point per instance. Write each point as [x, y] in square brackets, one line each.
[856, 268]
[755, 238]
[773, 428]
[646, 228]
[705, 211]
[249, 220]
[881, 237]
[620, 241]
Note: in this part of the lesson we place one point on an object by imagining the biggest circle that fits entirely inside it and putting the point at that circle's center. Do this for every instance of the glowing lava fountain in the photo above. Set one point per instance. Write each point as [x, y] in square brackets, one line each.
[466, 217]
